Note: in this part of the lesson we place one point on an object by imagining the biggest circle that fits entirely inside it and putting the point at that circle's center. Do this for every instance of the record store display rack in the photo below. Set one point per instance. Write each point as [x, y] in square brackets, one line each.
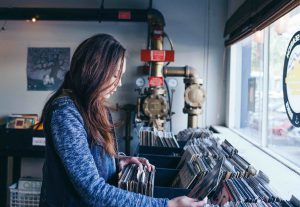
[199, 164]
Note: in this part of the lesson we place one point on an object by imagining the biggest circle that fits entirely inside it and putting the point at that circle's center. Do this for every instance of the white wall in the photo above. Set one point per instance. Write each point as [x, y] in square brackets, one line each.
[215, 75]
[196, 28]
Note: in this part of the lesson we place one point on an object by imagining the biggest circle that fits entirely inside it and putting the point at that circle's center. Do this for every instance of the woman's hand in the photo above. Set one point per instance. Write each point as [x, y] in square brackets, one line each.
[184, 201]
[140, 161]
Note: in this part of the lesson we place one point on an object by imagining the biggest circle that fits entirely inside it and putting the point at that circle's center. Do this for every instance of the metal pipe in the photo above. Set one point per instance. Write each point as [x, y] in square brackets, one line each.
[155, 17]
[174, 71]
[192, 121]
[191, 77]
[156, 68]
[184, 71]
[85, 14]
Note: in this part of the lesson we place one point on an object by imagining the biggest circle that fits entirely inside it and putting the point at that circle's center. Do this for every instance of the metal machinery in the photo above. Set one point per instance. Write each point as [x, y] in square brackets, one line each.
[153, 107]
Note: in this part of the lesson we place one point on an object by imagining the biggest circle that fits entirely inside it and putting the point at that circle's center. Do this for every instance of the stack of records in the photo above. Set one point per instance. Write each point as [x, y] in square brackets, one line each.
[203, 153]
[135, 180]
[207, 141]
[193, 171]
[193, 133]
[228, 149]
[151, 137]
[209, 183]
[202, 147]
[237, 166]
[245, 190]
[211, 146]
[259, 204]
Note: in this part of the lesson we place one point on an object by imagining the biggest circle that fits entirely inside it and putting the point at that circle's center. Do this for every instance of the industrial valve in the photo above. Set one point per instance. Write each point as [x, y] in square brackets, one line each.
[194, 98]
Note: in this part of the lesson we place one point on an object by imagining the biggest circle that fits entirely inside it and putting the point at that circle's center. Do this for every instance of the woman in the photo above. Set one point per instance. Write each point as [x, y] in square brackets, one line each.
[80, 167]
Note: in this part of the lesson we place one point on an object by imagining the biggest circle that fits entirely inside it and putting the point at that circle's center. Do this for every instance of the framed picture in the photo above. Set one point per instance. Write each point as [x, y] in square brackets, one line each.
[46, 68]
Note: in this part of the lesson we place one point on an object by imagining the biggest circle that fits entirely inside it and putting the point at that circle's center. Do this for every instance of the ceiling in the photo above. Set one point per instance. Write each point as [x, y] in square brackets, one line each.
[132, 4]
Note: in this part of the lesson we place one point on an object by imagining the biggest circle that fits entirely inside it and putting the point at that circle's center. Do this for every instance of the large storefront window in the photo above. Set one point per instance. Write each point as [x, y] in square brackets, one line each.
[283, 137]
[251, 77]
[261, 106]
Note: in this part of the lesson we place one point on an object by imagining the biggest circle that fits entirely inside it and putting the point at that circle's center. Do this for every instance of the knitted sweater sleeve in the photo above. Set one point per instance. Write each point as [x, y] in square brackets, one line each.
[70, 142]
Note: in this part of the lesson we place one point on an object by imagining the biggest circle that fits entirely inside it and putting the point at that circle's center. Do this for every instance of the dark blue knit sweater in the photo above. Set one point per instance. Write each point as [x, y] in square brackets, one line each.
[77, 173]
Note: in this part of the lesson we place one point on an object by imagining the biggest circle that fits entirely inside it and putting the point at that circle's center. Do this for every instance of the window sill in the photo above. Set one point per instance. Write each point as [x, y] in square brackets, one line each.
[284, 175]
[269, 152]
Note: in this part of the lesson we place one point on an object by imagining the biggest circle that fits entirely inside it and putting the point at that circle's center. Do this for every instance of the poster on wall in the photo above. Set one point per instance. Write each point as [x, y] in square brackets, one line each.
[46, 68]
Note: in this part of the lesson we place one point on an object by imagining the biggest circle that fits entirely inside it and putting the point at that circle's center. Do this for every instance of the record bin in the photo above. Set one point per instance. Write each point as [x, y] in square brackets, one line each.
[162, 161]
[167, 192]
[172, 151]
[162, 184]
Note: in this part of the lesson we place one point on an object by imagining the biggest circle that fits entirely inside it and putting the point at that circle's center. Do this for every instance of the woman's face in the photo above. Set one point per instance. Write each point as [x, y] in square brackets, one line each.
[114, 86]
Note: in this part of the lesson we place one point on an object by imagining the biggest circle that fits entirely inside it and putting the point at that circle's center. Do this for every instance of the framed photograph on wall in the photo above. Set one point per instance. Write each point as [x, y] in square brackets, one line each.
[46, 68]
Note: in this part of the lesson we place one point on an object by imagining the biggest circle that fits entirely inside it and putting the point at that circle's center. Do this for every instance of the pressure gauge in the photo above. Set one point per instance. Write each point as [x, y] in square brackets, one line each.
[140, 82]
[172, 83]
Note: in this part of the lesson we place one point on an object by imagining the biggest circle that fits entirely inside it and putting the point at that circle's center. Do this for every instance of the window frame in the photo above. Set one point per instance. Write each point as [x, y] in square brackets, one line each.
[234, 105]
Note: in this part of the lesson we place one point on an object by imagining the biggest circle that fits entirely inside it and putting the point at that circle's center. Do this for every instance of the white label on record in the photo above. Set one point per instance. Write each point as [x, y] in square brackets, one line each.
[38, 141]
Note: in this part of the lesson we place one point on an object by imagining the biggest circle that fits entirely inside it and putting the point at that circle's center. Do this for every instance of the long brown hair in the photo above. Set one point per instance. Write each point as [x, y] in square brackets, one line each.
[94, 63]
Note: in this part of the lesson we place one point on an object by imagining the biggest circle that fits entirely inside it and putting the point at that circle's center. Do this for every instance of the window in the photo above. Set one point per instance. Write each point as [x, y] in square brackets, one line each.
[250, 81]
[257, 107]
[283, 137]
